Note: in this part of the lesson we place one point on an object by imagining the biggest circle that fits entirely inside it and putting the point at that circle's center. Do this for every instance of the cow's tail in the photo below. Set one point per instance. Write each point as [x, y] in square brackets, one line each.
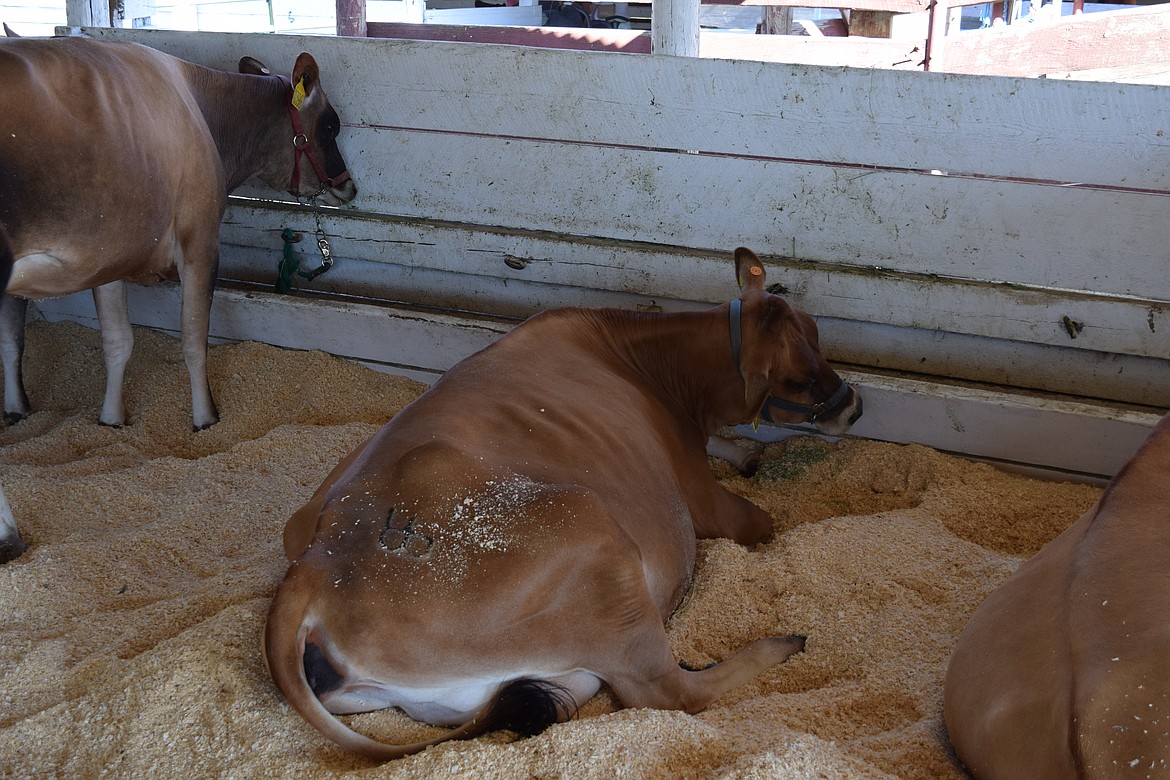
[525, 706]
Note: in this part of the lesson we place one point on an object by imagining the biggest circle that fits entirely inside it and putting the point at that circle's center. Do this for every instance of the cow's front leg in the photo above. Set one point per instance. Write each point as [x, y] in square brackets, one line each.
[721, 514]
[12, 313]
[197, 283]
[117, 344]
[744, 461]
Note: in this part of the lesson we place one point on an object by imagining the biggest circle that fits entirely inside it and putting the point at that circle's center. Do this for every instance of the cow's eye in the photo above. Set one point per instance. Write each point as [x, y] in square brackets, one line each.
[331, 125]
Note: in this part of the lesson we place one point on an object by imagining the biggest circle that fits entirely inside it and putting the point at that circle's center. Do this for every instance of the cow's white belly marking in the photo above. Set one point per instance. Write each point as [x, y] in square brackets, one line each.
[447, 705]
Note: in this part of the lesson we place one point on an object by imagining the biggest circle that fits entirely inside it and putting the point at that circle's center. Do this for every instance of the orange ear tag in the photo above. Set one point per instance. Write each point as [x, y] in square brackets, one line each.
[756, 270]
[298, 96]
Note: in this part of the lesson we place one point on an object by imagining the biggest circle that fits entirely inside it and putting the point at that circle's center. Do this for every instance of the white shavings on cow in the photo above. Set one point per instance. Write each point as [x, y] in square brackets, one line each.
[490, 520]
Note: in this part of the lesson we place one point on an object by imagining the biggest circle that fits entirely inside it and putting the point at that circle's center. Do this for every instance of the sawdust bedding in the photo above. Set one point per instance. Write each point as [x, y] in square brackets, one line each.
[129, 633]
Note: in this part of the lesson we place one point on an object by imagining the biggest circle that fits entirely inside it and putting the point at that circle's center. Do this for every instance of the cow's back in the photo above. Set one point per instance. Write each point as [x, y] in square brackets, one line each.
[548, 404]
[561, 394]
[103, 150]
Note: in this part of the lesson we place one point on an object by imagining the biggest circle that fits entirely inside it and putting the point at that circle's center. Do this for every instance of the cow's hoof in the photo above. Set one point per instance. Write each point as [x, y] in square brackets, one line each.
[11, 548]
[111, 424]
[796, 641]
[12, 418]
[750, 466]
[692, 668]
[204, 426]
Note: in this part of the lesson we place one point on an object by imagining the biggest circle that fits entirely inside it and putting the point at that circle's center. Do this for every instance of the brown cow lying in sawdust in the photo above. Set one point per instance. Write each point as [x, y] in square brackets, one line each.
[518, 535]
[1064, 671]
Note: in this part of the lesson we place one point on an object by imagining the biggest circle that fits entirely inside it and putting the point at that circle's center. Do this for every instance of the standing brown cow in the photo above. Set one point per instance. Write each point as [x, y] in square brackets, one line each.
[1064, 670]
[116, 161]
[518, 534]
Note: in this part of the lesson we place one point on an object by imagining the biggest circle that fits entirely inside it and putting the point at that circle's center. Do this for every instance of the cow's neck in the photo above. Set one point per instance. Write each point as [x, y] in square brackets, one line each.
[249, 123]
[687, 357]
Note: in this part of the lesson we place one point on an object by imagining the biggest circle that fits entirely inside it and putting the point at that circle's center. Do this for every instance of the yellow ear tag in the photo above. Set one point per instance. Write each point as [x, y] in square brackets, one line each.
[756, 423]
[298, 97]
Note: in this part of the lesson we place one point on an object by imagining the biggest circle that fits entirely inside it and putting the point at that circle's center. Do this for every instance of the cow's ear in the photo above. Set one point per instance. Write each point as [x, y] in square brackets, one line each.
[749, 271]
[254, 67]
[305, 72]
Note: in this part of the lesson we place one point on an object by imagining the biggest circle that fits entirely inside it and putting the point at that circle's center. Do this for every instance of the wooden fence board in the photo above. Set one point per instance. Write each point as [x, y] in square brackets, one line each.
[1094, 440]
[905, 54]
[1123, 37]
[970, 228]
[955, 226]
[907, 347]
[985, 126]
[1035, 314]
[894, 6]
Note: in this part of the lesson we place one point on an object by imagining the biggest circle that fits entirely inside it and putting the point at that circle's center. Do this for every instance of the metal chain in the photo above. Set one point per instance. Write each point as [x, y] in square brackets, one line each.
[322, 239]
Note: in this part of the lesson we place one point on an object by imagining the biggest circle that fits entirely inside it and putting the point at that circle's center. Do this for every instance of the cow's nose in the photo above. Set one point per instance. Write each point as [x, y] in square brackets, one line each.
[346, 192]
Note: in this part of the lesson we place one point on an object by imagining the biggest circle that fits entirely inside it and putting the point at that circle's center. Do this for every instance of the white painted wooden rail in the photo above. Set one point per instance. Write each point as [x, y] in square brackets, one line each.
[964, 228]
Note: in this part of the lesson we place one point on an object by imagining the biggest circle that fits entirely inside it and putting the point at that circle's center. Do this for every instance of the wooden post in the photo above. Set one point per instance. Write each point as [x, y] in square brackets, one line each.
[674, 27]
[351, 18]
[936, 35]
[87, 13]
[415, 11]
[870, 24]
[777, 20]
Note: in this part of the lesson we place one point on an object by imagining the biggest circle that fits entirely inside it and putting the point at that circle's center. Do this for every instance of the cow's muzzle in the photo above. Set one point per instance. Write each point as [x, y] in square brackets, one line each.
[832, 416]
[813, 413]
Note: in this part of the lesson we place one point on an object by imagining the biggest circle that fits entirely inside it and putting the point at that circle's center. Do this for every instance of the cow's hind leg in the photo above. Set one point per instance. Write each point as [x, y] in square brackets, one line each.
[11, 545]
[197, 283]
[12, 313]
[631, 651]
[656, 680]
[117, 344]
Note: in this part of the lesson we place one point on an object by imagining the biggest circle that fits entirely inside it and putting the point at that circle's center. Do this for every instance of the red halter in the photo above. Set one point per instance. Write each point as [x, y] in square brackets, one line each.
[302, 146]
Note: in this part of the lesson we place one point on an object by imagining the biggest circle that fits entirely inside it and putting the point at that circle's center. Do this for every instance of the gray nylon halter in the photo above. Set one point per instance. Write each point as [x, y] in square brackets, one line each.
[810, 412]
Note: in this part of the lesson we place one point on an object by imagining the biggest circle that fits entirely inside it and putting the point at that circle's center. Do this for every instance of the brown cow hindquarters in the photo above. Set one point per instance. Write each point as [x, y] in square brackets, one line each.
[530, 597]
[1064, 670]
[376, 645]
[1010, 668]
